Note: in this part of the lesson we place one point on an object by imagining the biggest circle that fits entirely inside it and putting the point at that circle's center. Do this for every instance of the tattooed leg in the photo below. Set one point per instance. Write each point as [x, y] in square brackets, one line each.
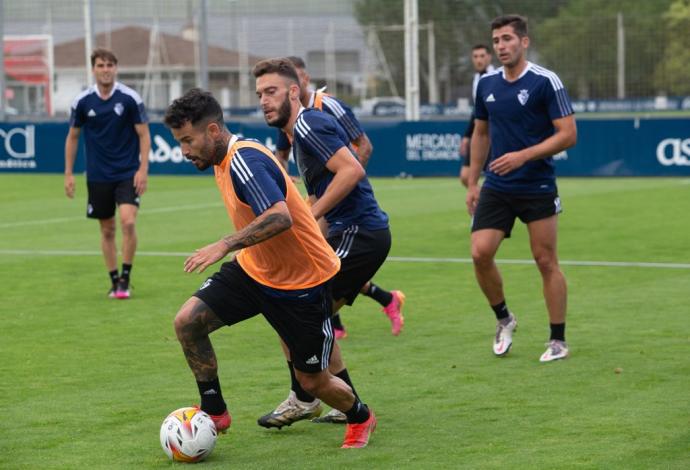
[193, 323]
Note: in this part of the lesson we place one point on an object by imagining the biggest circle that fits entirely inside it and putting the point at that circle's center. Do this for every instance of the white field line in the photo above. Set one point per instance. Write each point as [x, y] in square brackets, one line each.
[400, 259]
[144, 212]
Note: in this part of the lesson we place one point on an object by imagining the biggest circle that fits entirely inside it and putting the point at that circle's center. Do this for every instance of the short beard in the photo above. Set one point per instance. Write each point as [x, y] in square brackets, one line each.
[283, 114]
[218, 150]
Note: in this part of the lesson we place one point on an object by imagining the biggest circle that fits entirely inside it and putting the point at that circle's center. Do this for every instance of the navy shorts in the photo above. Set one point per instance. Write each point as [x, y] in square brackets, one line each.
[302, 318]
[498, 210]
[103, 197]
[361, 253]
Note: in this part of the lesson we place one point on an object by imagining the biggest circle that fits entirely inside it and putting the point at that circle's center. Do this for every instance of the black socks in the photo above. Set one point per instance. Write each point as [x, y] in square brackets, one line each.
[336, 323]
[501, 311]
[126, 269]
[557, 331]
[381, 296]
[211, 397]
[359, 412]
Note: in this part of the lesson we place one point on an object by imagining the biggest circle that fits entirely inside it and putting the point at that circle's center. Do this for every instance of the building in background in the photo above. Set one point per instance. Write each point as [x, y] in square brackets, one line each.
[158, 65]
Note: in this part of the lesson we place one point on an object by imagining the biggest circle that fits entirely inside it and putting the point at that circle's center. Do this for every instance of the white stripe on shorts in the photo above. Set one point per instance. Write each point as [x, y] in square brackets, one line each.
[327, 343]
[347, 241]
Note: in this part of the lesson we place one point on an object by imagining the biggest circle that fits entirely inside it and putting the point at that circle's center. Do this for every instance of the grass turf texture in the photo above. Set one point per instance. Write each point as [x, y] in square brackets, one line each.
[87, 381]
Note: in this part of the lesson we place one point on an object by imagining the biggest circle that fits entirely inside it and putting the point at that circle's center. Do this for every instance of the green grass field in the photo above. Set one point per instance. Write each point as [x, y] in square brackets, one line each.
[87, 381]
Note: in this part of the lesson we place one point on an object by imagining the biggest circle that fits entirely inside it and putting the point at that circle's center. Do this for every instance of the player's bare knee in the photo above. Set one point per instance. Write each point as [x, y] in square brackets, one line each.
[481, 256]
[128, 227]
[108, 231]
[187, 324]
[546, 262]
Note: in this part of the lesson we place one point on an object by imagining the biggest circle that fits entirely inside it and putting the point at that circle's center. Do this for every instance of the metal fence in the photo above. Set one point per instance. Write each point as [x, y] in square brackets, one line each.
[602, 50]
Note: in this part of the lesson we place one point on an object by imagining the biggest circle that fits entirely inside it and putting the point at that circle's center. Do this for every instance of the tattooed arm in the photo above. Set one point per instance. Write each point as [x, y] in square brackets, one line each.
[275, 220]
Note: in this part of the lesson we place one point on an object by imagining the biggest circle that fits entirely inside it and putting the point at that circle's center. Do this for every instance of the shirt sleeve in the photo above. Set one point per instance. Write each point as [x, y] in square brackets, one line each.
[470, 127]
[257, 180]
[557, 99]
[141, 115]
[76, 116]
[138, 110]
[480, 111]
[317, 134]
[344, 115]
[282, 141]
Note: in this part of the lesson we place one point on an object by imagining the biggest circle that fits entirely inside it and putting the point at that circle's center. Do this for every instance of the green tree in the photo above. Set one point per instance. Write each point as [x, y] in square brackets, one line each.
[458, 25]
[580, 44]
[673, 72]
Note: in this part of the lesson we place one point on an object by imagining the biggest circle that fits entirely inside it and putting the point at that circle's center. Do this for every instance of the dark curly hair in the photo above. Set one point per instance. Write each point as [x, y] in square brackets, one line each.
[196, 106]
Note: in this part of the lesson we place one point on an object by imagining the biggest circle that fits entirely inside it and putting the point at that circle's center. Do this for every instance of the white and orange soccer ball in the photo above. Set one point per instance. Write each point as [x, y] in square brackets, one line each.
[188, 435]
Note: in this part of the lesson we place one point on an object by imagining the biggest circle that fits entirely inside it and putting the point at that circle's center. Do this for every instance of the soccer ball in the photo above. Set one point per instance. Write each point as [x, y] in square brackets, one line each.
[188, 435]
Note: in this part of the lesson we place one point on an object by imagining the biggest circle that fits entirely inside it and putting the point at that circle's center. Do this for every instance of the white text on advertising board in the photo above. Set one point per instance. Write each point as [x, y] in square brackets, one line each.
[673, 152]
[162, 152]
[431, 147]
[19, 144]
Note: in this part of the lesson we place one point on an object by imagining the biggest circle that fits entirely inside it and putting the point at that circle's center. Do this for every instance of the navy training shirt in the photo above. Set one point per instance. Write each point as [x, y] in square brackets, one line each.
[112, 143]
[336, 108]
[520, 115]
[317, 137]
[257, 179]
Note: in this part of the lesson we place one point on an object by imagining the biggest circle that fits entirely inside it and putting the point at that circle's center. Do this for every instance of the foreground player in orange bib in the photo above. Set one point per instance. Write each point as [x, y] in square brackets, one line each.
[282, 268]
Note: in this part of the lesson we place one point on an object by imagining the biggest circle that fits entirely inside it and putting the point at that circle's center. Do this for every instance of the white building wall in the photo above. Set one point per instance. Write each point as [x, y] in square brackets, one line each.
[68, 84]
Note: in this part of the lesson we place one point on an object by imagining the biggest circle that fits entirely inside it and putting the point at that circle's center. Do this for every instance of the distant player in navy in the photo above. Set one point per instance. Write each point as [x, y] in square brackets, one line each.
[390, 301]
[523, 113]
[338, 191]
[116, 134]
[481, 61]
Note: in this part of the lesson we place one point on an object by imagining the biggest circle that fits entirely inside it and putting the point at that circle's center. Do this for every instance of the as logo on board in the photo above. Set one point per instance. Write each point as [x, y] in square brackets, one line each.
[673, 152]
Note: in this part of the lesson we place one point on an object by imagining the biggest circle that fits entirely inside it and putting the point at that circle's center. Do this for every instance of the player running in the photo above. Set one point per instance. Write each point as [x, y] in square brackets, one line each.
[391, 301]
[282, 268]
[339, 192]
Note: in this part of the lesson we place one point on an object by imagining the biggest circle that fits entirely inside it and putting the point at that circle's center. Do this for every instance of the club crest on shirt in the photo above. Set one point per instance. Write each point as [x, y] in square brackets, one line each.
[119, 109]
[523, 96]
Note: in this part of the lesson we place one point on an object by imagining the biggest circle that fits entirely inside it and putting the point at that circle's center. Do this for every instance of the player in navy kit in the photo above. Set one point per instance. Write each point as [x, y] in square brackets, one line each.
[339, 192]
[523, 113]
[481, 60]
[391, 301]
[117, 139]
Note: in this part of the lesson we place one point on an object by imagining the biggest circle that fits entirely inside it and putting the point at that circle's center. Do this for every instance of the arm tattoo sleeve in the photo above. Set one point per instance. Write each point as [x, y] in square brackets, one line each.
[259, 230]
